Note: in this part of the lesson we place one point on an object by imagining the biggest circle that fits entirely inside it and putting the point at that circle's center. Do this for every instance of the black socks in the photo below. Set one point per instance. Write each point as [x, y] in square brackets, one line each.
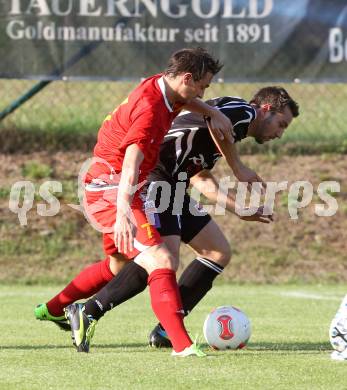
[194, 283]
[130, 281]
[196, 280]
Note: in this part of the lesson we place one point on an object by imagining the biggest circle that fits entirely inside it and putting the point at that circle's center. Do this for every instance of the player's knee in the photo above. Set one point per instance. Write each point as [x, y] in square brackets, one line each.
[117, 262]
[225, 256]
[168, 262]
[157, 257]
[168, 259]
[165, 259]
[221, 256]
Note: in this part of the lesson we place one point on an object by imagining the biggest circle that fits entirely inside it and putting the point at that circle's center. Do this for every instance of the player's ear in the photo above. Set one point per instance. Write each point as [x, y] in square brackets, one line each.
[187, 78]
[266, 107]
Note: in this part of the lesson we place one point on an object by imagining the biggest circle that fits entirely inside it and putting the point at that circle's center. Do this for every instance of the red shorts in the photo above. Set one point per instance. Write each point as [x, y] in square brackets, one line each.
[100, 210]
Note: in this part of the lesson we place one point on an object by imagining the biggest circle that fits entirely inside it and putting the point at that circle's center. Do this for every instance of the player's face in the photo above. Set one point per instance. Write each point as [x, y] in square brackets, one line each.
[273, 125]
[193, 89]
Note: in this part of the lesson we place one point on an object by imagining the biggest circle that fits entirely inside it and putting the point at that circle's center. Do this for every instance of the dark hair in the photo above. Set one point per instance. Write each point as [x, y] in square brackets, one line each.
[195, 61]
[277, 97]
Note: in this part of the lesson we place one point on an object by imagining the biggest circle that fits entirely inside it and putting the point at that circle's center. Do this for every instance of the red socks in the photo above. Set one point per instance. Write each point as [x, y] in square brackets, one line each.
[167, 306]
[85, 284]
[165, 298]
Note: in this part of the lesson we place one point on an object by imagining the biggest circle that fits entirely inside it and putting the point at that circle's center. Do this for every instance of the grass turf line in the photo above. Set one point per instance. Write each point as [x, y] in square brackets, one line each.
[288, 347]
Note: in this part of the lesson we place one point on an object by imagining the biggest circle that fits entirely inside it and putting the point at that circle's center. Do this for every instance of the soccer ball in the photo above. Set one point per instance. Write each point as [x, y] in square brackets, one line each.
[338, 333]
[227, 328]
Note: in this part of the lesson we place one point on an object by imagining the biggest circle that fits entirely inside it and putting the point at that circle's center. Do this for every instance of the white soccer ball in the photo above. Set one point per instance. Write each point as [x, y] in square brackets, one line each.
[338, 333]
[227, 328]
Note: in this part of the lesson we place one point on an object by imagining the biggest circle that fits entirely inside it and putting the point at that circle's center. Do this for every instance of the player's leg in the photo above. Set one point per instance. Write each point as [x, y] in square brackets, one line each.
[165, 298]
[213, 254]
[134, 276]
[204, 236]
[166, 301]
[212, 249]
[338, 332]
[158, 270]
[90, 280]
[132, 279]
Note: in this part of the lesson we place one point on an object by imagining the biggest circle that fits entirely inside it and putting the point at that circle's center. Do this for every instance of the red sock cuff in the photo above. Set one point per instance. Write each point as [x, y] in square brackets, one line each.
[159, 273]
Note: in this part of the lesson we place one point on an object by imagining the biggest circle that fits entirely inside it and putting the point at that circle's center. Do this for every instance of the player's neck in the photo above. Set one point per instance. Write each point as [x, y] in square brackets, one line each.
[170, 90]
[253, 126]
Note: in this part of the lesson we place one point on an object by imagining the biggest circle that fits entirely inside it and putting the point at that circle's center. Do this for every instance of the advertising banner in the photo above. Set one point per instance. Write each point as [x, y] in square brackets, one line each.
[257, 40]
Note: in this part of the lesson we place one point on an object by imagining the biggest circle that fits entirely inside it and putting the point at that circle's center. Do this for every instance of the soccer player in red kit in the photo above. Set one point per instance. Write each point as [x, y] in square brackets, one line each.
[127, 150]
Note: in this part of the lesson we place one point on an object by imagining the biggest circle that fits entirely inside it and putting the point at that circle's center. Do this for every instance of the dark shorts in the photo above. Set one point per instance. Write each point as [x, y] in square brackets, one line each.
[183, 216]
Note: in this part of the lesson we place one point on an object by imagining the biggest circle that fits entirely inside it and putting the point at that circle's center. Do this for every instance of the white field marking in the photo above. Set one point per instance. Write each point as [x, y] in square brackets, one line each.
[304, 295]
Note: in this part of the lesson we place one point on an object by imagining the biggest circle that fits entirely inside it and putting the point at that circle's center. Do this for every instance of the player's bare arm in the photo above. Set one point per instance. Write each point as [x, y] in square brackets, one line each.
[243, 173]
[231, 155]
[124, 227]
[206, 183]
[220, 126]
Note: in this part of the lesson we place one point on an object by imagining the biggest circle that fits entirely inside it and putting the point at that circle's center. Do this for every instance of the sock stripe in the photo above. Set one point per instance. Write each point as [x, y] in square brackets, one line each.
[210, 264]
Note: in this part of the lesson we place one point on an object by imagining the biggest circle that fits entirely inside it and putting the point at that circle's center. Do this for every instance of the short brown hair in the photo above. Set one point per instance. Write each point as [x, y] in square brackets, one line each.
[277, 97]
[195, 61]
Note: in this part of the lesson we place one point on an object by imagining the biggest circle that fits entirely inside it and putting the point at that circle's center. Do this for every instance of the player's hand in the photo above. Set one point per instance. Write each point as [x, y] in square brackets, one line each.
[220, 126]
[258, 216]
[247, 175]
[124, 233]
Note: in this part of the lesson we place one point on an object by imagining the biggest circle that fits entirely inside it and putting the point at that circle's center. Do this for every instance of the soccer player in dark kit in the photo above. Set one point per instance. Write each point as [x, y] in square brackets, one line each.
[188, 149]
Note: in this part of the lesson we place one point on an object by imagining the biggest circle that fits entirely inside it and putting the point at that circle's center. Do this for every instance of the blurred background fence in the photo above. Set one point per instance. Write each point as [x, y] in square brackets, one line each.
[256, 40]
[67, 114]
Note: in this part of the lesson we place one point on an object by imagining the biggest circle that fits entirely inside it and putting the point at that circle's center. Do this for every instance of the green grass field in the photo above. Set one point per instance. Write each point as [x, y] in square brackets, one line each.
[289, 346]
[65, 109]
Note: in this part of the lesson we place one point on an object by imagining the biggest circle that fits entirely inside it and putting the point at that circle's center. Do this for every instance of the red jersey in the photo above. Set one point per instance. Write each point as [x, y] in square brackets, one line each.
[142, 119]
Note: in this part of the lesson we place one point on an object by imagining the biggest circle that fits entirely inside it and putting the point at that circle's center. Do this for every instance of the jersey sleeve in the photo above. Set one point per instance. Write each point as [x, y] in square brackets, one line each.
[142, 130]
